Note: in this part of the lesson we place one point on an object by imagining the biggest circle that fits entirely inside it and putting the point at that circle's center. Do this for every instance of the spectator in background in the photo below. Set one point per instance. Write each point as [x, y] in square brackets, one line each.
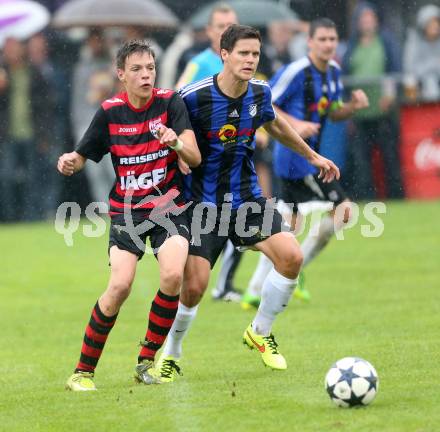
[25, 119]
[93, 81]
[298, 44]
[200, 42]
[47, 178]
[422, 56]
[133, 32]
[275, 52]
[208, 62]
[38, 54]
[372, 54]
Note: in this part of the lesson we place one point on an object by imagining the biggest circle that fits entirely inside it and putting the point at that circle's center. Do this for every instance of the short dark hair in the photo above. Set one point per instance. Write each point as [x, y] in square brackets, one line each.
[220, 7]
[321, 22]
[234, 33]
[131, 47]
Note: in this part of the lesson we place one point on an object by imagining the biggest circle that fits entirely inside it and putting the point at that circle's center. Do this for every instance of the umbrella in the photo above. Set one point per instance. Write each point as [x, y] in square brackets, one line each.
[257, 13]
[93, 13]
[21, 19]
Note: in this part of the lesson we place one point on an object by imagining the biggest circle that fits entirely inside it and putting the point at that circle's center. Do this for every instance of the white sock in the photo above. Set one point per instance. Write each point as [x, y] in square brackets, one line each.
[256, 283]
[317, 238]
[173, 344]
[276, 293]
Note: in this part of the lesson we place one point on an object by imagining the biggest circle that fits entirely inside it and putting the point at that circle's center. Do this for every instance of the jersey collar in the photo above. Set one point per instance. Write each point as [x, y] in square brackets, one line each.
[226, 96]
[143, 108]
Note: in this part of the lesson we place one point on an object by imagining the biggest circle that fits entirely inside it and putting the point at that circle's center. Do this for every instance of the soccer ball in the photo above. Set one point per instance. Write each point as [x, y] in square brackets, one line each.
[351, 382]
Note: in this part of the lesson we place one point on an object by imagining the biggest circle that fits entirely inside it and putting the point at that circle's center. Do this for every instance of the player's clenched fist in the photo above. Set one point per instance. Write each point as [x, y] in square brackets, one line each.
[359, 99]
[167, 136]
[70, 163]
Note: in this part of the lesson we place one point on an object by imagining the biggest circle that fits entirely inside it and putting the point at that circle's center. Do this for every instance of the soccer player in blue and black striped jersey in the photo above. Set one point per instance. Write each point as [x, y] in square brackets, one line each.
[204, 65]
[225, 110]
[309, 91]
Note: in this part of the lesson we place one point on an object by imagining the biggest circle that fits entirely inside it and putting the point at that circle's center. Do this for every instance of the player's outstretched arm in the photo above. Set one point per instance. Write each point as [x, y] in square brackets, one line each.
[70, 163]
[283, 132]
[185, 145]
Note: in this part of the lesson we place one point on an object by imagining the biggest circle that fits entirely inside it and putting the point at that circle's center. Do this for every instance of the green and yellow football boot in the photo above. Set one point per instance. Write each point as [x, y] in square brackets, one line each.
[301, 292]
[167, 369]
[81, 381]
[145, 373]
[267, 347]
[249, 301]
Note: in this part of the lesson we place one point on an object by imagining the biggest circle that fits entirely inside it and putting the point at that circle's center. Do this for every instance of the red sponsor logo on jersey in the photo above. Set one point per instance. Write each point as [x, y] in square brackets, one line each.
[228, 133]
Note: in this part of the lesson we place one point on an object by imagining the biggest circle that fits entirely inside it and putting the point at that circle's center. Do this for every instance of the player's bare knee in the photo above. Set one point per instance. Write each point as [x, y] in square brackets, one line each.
[289, 263]
[120, 289]
[171, 281]
[194, 291]
[295, 262]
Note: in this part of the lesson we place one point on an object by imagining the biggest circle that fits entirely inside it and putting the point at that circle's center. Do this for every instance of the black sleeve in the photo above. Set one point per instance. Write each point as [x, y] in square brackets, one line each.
[96, 141]
[178, 115]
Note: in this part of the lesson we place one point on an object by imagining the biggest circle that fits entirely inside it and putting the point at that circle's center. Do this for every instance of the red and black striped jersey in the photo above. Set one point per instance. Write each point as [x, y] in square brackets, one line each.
[147, 175]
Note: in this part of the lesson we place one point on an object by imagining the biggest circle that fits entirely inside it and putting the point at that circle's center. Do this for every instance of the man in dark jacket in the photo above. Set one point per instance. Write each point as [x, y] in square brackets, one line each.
[25, 125]
[372, 57]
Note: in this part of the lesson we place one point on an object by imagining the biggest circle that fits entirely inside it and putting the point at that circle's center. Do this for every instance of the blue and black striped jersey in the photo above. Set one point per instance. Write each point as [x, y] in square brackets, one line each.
[306, 93]
[225, 129]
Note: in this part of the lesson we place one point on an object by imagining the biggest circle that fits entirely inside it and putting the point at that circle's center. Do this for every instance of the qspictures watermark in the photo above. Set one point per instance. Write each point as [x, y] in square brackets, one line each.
[206, 217]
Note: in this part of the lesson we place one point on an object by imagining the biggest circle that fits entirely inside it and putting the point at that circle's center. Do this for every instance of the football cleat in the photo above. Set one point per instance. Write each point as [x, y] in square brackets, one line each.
[167, 369]
[301, 292]
[81, 381]
[145, 373]
[267, 347]
[249, 301]
[229, 295]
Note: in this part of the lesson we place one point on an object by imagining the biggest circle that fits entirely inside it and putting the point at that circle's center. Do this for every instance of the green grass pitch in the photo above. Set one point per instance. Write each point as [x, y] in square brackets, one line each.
[376, 298]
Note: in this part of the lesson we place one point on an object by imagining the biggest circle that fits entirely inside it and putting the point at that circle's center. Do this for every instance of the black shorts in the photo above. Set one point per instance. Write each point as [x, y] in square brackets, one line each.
[252, 223]
[310, 188]
[263, 156]
[134, 240]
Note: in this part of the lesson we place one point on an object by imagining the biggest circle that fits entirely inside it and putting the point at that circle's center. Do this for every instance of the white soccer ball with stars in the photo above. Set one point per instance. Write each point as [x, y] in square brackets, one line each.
[351, 382]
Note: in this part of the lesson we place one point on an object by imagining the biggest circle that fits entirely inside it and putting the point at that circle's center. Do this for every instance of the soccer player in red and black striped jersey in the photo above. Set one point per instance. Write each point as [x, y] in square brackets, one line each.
[146, 130]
